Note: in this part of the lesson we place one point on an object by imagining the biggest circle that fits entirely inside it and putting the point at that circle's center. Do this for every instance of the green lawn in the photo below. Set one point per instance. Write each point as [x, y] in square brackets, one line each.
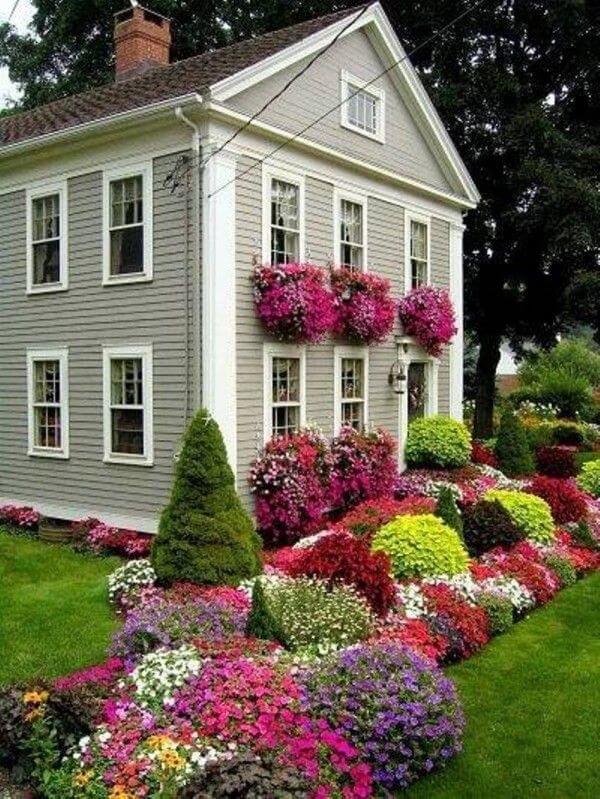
[532, 700]
[54, 613]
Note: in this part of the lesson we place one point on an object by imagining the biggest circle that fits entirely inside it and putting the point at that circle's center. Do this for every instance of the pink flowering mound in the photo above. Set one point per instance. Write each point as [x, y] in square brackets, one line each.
[290, 483]
[365, 310]
[364, 466]
[365, 519]
[26, 518]
[427, 314]
[294, 302]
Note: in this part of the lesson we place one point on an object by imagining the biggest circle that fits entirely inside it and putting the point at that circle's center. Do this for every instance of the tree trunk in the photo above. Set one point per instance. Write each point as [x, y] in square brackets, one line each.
[487, 363]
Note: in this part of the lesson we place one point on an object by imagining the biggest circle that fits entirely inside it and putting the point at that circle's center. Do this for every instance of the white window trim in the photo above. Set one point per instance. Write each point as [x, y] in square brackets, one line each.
[338, 354]
[145, 169]
[275, 173]
[411, 216]
[359, 199]
[145, 352]
[271, 351]
[32, 194]
[60, 354]
[347, 79]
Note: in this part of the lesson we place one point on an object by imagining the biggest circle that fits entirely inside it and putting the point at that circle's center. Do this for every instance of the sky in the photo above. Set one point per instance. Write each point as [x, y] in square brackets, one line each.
[20, 20]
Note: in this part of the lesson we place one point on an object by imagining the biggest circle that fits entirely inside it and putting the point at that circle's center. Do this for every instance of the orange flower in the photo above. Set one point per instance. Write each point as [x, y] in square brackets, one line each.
[35, 697]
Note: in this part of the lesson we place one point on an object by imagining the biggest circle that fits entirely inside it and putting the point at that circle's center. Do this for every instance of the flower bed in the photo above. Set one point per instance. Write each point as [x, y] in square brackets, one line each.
[342, 695]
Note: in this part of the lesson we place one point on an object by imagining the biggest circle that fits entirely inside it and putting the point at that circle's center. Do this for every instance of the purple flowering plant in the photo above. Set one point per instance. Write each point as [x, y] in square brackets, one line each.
[391, 703]
[294, 302]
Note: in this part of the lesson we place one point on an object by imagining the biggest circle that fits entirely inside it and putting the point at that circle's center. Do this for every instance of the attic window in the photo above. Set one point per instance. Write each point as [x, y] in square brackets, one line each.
[363, 107]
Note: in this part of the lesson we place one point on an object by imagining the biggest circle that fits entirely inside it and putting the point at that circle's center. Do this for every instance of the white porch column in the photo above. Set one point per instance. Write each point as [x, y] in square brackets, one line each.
[456, 294]
[218, 298]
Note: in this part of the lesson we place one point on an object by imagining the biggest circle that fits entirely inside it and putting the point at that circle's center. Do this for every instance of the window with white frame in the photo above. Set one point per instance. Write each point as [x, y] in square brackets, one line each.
[351, 387]
[128, 225]
[48, 393]
[351, 234]
[47, 239]
[418, 253]
[417, 390]
[285, 222]
[284, 390]
[363, 107]
[128, 405]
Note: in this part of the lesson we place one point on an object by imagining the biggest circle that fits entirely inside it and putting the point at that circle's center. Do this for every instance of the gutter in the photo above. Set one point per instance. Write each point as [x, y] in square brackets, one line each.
[97, 125]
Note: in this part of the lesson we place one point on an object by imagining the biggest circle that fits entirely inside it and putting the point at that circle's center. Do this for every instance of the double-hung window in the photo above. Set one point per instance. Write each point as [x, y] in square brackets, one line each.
[47, 249]
[284, 381]
[128, 225]
[128, 405]
[351, 387]
[48, 402]
[362, 107]
[285, 222]
[351, 226]
[417, 249]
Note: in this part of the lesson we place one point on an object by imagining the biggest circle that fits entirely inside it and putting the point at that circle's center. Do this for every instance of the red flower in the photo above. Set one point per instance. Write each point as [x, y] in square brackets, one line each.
[369, 516]
[480, 453]
[567, 502]
[469, 624]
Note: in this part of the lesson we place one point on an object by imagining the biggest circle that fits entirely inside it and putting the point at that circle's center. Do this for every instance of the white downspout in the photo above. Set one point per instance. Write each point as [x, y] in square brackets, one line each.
[197, 261]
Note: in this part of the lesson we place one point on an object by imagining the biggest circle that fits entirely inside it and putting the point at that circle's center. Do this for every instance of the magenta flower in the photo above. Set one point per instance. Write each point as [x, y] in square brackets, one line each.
[427, 314]
[365, 310]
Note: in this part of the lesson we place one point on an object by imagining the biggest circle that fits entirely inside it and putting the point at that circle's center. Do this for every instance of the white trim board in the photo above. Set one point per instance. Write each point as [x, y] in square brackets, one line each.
[56, 510]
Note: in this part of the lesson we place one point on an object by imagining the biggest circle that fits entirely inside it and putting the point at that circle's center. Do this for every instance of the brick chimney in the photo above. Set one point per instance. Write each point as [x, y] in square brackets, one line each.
[142, 41]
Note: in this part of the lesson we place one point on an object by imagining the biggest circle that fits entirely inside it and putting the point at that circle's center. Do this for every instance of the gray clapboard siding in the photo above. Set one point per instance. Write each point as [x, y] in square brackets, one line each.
[83, 318]
[405, 150]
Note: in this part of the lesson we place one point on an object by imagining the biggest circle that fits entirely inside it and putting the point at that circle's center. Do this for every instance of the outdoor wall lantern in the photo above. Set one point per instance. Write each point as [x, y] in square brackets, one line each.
[398, 372]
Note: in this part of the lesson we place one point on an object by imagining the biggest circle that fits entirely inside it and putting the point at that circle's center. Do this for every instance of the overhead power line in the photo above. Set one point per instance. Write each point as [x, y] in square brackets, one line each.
[348, 97]
[14, 8]
[282, 91]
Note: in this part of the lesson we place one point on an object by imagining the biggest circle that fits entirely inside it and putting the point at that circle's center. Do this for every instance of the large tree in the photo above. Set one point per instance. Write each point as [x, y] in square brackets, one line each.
[515, 81]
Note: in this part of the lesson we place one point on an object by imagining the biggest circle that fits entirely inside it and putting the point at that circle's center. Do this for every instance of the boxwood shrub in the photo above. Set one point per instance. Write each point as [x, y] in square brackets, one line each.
[438, 442]
[531, 514]
[421, 546]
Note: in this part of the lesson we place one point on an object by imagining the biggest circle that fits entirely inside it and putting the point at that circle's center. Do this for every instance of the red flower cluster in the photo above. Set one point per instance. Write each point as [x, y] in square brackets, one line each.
[567, 502]
[283, 560]
[341, 558]
[480, 453]
[364, 466]
[558, 461]
[417, 634]
[582, 559]
[523, 565]
[366, 312]
[469, 624]
[364, 520]
[183, 592]
[28, 518]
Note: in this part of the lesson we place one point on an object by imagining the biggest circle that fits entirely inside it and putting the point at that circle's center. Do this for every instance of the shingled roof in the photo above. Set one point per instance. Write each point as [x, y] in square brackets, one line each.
[191, 75]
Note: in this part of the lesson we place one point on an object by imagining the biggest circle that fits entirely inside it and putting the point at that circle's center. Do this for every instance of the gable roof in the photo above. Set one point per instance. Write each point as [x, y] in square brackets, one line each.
[191, 75]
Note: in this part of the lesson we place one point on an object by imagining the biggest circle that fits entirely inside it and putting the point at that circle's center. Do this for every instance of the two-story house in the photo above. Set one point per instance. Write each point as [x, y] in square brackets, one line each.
[129, 226]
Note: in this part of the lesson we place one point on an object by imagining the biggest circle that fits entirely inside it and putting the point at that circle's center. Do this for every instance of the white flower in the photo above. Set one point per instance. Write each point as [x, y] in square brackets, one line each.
[159, 674]
[132, 575]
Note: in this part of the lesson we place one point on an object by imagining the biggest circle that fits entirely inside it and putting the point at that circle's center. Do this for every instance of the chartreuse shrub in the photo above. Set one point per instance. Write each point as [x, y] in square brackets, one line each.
[205, 535]
[421, 546]
[437, 442]
[531, 514]
[589, 478]
[512, 447]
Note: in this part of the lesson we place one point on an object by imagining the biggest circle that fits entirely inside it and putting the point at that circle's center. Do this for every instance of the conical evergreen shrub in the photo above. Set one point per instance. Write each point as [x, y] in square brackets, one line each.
[448, 511]
[261, 622]
[512, 448]
[205, 535]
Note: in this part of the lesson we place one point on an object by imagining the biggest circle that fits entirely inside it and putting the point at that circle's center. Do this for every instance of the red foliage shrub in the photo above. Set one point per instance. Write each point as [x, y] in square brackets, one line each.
[558, 461]
[369, 516]
[470, 623]
[480, 453]
[283, 559]
[417, 634]
[340, 558]
[567, 502]
[582, 559]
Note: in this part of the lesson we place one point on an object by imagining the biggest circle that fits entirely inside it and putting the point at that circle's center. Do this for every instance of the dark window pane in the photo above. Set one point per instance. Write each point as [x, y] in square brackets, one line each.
[47, 428]
[128, 431]
[46, 262]
[417, 391]
[127, 251]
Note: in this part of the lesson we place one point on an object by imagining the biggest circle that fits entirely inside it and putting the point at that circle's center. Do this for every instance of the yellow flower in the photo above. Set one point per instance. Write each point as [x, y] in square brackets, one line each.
[35, 697]
[119, 792]
[160, 742]
[82, 778]
[171, 760]
[34, 714]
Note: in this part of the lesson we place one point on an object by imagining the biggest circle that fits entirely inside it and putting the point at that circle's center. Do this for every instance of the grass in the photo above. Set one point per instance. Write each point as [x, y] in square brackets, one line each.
[532, 701]
[54, 613]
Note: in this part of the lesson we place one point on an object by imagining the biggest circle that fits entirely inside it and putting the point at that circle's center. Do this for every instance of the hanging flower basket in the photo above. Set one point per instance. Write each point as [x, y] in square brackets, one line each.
[365, 310]
[294, 302]
[427, 314]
